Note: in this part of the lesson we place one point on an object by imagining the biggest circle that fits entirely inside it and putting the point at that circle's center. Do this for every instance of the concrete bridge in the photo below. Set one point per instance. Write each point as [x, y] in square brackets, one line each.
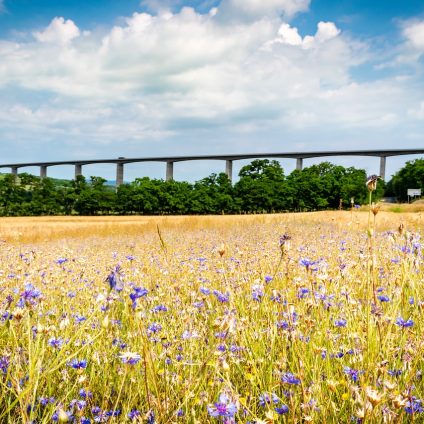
[170, 160]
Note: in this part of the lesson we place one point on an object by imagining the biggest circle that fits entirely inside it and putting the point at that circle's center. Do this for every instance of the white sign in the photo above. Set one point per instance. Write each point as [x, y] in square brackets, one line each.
[414, 192]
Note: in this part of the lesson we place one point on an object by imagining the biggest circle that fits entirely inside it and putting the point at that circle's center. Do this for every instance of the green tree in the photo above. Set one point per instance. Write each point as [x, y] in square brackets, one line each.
[410, 176]
[262, 187]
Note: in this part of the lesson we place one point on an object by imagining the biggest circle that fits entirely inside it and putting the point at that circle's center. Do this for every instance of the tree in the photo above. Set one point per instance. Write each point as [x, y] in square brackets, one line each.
[410, 176]
[262, 187]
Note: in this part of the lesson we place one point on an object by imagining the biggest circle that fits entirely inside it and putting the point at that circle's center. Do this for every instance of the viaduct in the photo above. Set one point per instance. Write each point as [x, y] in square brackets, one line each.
[170, 160]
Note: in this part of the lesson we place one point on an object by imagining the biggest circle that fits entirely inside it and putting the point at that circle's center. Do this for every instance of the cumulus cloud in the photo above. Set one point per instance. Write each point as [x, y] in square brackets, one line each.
[414, 33]
[289, 35]
[59, 31]
[167, 75]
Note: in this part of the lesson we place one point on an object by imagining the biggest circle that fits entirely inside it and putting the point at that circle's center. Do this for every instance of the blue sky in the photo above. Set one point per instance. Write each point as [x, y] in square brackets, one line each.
[109, 78]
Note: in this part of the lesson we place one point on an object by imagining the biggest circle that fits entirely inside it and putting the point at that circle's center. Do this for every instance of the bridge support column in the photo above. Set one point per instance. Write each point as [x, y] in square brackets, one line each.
[119, 174]
[43, 171]
[78, 170]
[299, 164]
[383, 167]
[229, 169]
[14, 170]
[169, 171]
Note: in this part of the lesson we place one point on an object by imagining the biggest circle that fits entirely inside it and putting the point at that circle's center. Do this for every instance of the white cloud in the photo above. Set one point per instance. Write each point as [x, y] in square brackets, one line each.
[414, 33]
[178, 77]
[289, 35]
[59, 31]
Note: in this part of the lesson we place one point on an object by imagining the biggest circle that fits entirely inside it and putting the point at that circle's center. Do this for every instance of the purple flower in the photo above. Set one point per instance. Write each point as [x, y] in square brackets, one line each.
[340, 323]
[138, 292]
[61, 261]
[404, 324]
[281, 410]
[56, 343]
[266, 399]
[4, 364]
[133, 414]
[289, 378]
[205, 291]
[130, 358]
[383, 298]
[77, 364]
[154, 327]
[257, 293]
[353, 374]
[223, 408]
[221, 296]
[414, 406]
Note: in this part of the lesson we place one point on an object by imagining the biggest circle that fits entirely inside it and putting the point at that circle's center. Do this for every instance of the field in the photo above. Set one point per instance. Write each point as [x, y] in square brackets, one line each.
[291, 318]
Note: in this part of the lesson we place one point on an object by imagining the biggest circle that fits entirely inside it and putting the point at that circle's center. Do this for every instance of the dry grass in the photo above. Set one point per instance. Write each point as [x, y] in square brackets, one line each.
[44, 229]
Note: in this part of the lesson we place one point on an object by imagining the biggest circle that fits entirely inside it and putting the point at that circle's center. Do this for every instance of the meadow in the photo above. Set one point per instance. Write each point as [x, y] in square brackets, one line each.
[291, 318]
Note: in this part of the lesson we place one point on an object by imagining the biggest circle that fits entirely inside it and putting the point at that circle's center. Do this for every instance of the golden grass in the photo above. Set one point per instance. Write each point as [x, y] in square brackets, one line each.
[44, 229]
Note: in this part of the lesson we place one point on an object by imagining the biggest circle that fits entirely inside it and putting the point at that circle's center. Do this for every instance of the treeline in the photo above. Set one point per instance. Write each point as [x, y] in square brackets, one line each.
[262, 187]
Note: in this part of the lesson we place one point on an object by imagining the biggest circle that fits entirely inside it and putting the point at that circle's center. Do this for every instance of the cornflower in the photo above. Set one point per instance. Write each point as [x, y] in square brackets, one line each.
[130, 358]
[77, 364]
[289, 378]
[223, 408]
[404, 324]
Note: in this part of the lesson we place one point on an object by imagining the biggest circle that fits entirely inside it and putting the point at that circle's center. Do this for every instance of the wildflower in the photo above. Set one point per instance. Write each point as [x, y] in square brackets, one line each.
[138, 292]
[4, 364]
[205, 291]
[85, 394]
[284, 242]
[133, 414]
[160, 308]
[414, 406]
[289, 378]
[130, 358]
[307, 263]
[266, 399]
[353, 374]
[372, 182]
[404, 324]
[221, 296]
[383, 298]
[340, 323]
[114, 277]
[257, 292]
[281, 410]
[77, 364]
[223, 408]
[61, 261]
[55, 343]
[155, 327]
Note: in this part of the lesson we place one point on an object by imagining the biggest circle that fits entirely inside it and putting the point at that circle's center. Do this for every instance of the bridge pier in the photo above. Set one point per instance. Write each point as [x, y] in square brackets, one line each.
[229, 169]
[119, 174]
[78, 170]
[43, 171]
[299, 164]
[14, 170]
[383, 167]
[169, 171]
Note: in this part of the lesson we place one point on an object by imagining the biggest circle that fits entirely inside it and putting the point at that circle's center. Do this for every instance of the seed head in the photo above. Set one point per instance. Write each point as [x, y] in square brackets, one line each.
[375, 208]
[372, 182]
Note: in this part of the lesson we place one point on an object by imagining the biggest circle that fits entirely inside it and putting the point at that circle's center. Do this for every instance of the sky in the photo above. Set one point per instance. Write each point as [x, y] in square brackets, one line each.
[109, 78]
